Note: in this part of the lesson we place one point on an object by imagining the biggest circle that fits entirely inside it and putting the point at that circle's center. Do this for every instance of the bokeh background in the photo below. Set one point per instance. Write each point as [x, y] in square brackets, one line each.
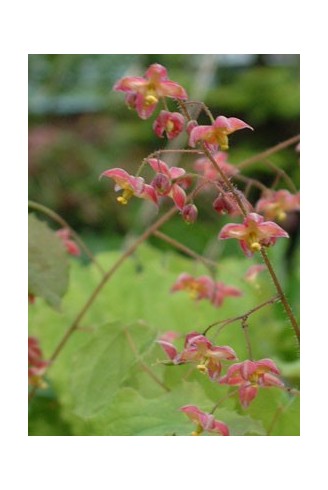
[78, 127]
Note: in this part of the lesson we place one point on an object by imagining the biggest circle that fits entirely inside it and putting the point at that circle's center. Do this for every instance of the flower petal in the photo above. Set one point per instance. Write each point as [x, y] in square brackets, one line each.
[130, 84]
[159, 166]
[232, 230]
[179, 196]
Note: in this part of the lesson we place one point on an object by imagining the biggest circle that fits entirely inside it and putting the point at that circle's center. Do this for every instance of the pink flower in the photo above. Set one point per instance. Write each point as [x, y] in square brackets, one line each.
[143, 94]
[253, 233]
[206, 168]
[169, 122]
[253, 271]
[226, 203]
[131, 186]
[204, 287]
[36, 364]
[164, 182]
[249, 376]
[205, 421]
[275, 204]
[217, 134]
[71, 247]
[198, 349]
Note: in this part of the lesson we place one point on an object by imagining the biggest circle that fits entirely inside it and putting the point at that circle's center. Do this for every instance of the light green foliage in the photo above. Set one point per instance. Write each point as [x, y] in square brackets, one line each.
[102, 379]
[48, 263]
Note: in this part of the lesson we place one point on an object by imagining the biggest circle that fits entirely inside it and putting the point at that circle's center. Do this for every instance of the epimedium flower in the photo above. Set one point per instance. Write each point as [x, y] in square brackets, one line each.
[216, 135]
[204, 287]
[254, 233]
[130, 185]
[71, 247]
[249, 376]
[276, 204]
[206, 168]
[198, 349]
[165, 181]
[143, 93]
[169, 122]
[205, 421]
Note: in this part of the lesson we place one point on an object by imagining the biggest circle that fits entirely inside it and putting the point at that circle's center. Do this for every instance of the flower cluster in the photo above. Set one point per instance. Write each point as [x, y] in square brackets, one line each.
[204, 287]
[257, 230]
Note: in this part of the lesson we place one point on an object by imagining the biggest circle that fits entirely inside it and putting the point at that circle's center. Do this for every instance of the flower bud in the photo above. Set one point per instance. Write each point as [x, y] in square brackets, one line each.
[161, 184]
[190, 213]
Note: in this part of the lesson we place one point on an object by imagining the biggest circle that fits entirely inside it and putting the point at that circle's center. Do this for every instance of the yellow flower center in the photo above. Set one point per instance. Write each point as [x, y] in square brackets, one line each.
[169, 126]
[125, 197]
[202, 368]
[198, 431]
[255, 246]
[151, 99]
[282, 216]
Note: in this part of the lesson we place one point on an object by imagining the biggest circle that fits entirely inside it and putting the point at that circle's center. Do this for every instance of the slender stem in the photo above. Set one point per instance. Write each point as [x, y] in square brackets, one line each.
[102, 283]
[283, 174]
[274, 299]
[249, 180]
[51, 214]
[223, 399]
[244, 325]
[207, 262]
[281, 294]
[269, 152]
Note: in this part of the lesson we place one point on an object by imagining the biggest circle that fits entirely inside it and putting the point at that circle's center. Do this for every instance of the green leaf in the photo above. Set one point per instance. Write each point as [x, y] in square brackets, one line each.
[47, 263]
[132, 415]
[101, 366]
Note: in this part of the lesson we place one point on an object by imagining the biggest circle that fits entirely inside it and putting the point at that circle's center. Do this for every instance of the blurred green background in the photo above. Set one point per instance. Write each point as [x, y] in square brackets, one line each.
[79, 127]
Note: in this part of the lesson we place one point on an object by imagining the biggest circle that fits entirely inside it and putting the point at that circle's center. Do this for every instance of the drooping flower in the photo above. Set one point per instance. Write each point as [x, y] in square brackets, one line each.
[254, 233]
[249, 376]
[72, 248]
[206, 168]
[205, 421]
[143, 94]
[204, 287]
[36, 364]
[275, 205]
[130, 185]
[198, 349]
[169, 122]
[189, 213]
[217, 134]
[164, 182]
[226, 203]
